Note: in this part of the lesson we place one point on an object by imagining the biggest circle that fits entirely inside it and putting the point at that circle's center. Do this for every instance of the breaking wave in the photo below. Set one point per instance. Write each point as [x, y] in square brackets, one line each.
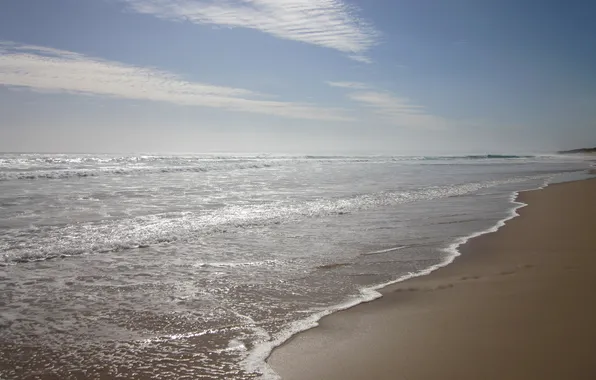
[82, 173]
[477, 157]
[150, 230]
[40, 167]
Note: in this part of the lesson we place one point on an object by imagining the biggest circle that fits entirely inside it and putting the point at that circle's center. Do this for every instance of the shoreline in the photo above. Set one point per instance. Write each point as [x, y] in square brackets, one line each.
[262, 353]
[258, 358]
[253, 363]
[299, 347]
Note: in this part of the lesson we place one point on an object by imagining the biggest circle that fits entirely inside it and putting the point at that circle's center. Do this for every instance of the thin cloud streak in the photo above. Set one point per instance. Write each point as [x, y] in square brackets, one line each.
[51, 70]
[350, 85]
[392, 109]
[361, 58]
[328, 23]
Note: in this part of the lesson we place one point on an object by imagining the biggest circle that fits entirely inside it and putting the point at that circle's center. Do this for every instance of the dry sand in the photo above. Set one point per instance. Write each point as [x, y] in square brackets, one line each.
[517, 304]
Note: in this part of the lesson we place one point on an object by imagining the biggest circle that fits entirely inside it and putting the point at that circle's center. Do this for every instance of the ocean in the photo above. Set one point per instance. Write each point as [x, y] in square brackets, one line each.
[197, 266]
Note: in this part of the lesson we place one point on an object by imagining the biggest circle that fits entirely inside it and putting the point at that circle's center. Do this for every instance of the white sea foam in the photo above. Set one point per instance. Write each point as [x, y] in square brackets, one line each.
[255, 361]
[63, 166]
[259, 263]
[144, 231]
[393, 249]
[124, 170]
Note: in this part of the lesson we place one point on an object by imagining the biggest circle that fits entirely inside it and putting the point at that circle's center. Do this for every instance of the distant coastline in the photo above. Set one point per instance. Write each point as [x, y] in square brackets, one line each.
[581, 150]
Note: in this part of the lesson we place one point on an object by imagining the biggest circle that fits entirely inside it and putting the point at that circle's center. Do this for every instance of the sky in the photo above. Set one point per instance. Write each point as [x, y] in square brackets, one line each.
[297, 76]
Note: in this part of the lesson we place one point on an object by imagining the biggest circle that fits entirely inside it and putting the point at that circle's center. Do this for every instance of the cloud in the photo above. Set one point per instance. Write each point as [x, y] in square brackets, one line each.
[328, 23]
[361, 58]
[351, 85]
[51, 70]
[391, 108]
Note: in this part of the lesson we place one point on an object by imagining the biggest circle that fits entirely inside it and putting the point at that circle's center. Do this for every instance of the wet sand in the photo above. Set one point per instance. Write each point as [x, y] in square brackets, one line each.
[517, 304]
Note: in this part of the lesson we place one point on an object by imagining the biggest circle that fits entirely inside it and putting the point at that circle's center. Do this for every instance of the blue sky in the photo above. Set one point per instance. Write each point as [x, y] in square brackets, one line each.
[297, 76]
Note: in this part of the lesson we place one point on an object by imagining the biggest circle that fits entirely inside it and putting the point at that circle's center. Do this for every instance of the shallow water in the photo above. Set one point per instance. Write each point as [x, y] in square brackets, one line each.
[195, 266]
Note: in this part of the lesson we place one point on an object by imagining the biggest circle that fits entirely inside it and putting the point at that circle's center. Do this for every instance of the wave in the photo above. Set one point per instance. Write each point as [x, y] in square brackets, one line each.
[498, 156]
[446, 157]
[258, 263]
[96, 172]
[39, 166]
[477, 157]
[385, 250]
[152, 230]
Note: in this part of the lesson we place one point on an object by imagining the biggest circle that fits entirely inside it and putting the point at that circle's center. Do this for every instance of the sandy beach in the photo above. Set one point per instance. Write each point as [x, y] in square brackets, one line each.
[517, 304]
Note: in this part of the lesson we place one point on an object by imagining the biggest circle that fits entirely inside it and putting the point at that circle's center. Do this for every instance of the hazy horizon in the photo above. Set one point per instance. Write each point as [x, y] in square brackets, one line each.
[292, 153]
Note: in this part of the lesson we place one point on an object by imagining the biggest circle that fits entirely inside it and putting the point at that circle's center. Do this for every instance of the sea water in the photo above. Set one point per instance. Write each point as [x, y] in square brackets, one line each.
[196, 266]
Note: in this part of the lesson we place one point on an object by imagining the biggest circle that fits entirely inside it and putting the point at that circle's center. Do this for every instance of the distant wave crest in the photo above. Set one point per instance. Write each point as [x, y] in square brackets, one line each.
[477, 157]
[96, 172]
[40, 167]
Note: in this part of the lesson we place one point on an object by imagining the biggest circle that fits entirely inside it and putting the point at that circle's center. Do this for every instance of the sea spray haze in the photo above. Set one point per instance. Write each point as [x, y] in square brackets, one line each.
[195, 266]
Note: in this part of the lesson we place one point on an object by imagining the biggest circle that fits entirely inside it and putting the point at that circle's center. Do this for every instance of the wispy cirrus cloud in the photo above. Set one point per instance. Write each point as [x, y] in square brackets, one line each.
[52, 70]
[350, 85]
[328, 23]
[361, 58]
[391, 108]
